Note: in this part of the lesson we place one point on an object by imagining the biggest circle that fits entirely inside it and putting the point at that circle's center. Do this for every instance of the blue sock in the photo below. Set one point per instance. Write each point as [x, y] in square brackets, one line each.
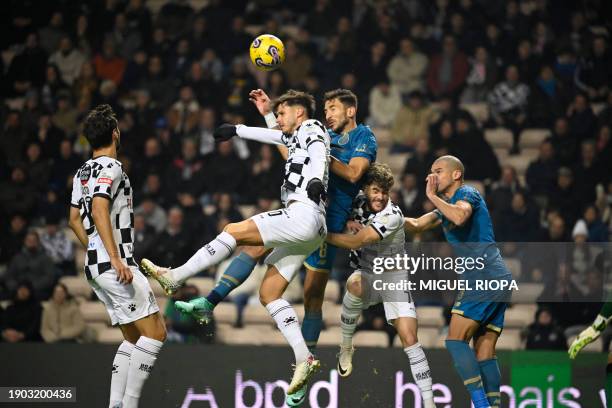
[491, 377]
[236, 273]
[469, 371]
[311, 328]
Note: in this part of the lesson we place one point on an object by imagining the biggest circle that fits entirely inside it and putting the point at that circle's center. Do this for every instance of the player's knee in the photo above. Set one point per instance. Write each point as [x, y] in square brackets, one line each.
[408, 338]
[353, 285]
[255, 252]
[265, 297]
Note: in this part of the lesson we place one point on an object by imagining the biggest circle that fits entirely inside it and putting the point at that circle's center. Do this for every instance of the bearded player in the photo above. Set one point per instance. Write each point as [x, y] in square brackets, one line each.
[381, 235]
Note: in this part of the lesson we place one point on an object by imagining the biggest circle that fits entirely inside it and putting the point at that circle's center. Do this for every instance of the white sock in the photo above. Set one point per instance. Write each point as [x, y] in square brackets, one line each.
[210, 254]
[420, 372]
[287, 322]
[121, 366]
[141, 364]
[351, 310]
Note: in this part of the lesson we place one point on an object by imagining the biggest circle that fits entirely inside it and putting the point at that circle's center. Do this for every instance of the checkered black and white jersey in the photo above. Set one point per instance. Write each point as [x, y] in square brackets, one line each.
[302, 165]
[104, 177]
[388, 223]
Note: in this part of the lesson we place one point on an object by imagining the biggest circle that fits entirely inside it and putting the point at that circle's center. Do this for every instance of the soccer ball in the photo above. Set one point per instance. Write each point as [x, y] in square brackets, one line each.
[267, 52]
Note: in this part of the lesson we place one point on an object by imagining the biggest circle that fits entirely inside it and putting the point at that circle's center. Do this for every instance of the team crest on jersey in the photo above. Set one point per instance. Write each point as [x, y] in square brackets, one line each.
[343, 139]
[85, 174]
[384, 219]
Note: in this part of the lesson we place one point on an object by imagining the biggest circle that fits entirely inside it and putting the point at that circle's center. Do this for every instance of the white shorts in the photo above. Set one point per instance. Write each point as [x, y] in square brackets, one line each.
[393, 309]
[294, 232]
[125, 303]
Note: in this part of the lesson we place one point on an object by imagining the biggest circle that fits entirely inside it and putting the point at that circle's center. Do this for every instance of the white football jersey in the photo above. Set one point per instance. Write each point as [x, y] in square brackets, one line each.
[104, 177]
[388, 223]
[301, 166]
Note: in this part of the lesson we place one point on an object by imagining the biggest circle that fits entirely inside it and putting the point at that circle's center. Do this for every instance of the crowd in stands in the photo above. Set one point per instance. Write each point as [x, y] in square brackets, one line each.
[176, 72]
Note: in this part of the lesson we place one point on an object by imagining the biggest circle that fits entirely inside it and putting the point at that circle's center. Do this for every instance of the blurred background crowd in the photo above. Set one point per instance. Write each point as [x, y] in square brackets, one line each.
[521, 91]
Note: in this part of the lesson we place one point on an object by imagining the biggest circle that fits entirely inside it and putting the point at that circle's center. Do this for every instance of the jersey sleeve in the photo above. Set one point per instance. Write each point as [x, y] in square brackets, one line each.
[75, 197]
[469, 195]
[366, 146]
[108, 181]
[312, 136]
[386, 224]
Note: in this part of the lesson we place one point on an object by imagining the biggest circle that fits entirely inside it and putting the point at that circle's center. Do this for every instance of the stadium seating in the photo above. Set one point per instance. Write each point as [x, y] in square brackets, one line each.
[531, 138]
[527, 293]
[427, 337]
[110, 335]
[330, 337]
[204, 285]
[511, 340]
[430, 316]
[78, 286]
[499, 138]
[480, 111]
[332, 291]
[94, 312]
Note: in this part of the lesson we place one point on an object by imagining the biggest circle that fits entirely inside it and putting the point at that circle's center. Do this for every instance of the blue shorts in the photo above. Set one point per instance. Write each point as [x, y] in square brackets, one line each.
[486, 307]
[322, 259]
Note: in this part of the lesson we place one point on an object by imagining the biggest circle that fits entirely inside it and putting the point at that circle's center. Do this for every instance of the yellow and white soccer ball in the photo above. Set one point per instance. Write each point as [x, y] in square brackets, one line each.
[267, 52]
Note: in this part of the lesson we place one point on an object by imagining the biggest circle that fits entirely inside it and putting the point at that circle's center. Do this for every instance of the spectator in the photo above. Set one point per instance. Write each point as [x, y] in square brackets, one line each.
[202, 83]
[51, 35]
[68, 60]
[108, 64]
[477, 154]
[582, 120]
[481, 78]
[33, 264]
[588, 172]
[547, 99]
[38, 167]
[18, 195]
[520, 222]
[448, 70]
[65, 117]
[564, 143]
[155, 216]
[83, 35]
[13, 139]
[541, 173]
[237, 87]
[410, 198]
[62, 320]
[135, 69]
[508, 105]
[266, 174]
[564, 196]
[221, 164]
[597, 230]
[12, 238]
[443, 140]
[127, 39]
[174, 245]
[144, 237]
[183, 328]
[180, 59]
[86, 84]
[297, 64]
[186, 174]
[58, 246]
[373, 68]
[27, 69]
[499, 199]
[183, 114]
[407, 68]
[420, 163]
[203, 131]
[594, 73]
[411, 123]
[212, 63]
[331, 64]
[22, 317]
[385, 102]
[52, 87]
[544, 333]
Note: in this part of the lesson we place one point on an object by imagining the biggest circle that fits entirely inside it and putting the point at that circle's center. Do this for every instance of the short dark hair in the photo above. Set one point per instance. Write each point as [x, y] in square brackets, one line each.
[293, 97]
[379, 174]
[345, 96]
[99, 126]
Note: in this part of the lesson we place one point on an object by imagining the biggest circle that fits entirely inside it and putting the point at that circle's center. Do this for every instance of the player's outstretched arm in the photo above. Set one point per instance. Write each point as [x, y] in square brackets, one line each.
[100, 211]
[423, 223]
[76, 225]
[354, 241]
[351, 172]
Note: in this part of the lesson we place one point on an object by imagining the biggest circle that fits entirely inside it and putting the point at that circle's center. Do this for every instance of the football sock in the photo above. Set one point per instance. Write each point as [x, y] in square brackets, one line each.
[311, 328]
[420, 371]
[287, 322]
[142, 361]
[351, 310]
[121, 366]
[468, 369]
[237, 272]
[210, 254]
[491, 378]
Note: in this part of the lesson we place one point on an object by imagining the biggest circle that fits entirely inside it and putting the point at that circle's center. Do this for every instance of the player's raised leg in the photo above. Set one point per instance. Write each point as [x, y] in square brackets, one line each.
[236, 273]
[407, 330]
[270, 292]
[234, 234]
[351, 310]
[460, 332]
[484, 344]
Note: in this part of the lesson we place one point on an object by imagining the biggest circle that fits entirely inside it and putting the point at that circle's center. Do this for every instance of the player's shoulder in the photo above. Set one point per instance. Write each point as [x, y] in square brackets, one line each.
[312, 125]
[468, 193]
[467, 189]
[365, 132]
[392, 211]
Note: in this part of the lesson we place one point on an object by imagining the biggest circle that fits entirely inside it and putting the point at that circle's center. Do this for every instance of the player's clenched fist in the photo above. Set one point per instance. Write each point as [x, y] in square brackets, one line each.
[224, 132]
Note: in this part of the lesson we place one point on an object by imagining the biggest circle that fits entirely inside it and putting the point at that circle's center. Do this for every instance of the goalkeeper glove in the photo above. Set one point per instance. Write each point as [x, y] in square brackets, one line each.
[316, 190]
[587, 336]
[224, 132]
